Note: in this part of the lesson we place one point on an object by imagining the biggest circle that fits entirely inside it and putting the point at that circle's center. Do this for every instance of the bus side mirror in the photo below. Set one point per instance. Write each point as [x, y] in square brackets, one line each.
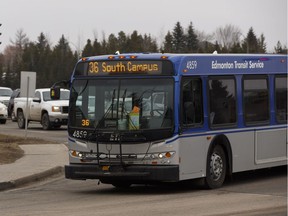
[55, 93]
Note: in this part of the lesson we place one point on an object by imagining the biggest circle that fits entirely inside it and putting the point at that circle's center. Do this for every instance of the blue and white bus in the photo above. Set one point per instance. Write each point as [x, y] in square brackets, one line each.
[146, 118]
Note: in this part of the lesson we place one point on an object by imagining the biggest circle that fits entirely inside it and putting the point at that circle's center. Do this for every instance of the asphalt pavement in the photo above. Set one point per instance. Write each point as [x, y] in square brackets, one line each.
[40, 161]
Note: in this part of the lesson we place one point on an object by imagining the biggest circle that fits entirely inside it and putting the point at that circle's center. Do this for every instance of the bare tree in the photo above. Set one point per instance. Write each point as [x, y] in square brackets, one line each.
[228, 36]
[21, 39]
[203, 36]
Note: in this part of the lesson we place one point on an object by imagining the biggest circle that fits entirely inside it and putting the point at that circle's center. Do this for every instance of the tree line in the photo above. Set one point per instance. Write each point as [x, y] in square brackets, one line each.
[56, 63]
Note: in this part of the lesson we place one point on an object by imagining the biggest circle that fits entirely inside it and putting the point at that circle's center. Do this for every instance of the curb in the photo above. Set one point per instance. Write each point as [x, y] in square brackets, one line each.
[32, 178]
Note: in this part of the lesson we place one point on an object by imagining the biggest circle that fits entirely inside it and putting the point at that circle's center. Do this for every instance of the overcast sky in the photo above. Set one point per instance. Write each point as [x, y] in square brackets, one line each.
[85, 19]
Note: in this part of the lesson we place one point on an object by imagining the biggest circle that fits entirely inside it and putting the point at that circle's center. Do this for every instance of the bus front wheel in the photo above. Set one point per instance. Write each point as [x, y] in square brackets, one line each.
[216, 168]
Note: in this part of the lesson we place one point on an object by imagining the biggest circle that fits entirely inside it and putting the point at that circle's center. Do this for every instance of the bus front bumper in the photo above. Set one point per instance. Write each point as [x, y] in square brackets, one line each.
[135, 173]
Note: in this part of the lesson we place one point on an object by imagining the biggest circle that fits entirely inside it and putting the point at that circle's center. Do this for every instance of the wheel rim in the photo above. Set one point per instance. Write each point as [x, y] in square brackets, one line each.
[216, 166]
[45, 121]
[20, 119]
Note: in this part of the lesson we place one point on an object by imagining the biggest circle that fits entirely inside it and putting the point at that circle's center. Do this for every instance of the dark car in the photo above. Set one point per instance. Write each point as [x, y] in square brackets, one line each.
[15, 94]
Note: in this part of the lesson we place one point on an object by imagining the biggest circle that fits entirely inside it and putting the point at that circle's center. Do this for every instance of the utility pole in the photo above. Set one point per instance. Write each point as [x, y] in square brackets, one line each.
[0, 32]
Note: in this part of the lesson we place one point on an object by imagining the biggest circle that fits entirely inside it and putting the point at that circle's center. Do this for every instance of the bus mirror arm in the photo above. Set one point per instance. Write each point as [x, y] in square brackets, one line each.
[55, 89]
[64, 82]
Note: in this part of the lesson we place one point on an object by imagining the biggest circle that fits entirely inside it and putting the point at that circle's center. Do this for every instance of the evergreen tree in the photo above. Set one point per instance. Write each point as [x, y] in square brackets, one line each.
[112, 44]
[250, 43]
[191, 40]
[279, 49]
[148, 44]
[88, 49]
[36, 57]
[97, 49]
[261, 44]
[236, 48]
[104, 47]
[63, 62]
[43, 62]
[122, 42]
[168, 43]
[178, 39]
[135, 42]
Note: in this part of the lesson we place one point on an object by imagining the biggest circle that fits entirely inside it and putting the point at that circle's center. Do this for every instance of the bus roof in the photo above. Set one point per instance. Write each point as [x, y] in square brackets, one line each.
[210, 64]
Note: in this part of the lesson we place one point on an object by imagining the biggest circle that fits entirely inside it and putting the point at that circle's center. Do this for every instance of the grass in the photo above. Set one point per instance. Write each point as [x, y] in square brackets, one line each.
[10, 150]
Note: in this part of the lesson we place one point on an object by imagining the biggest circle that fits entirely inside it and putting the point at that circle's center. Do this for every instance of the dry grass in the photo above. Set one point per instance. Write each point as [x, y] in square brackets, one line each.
[10, 150]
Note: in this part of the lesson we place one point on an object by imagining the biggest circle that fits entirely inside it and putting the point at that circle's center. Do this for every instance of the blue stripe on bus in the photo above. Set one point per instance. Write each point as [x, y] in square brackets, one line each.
[222, 132]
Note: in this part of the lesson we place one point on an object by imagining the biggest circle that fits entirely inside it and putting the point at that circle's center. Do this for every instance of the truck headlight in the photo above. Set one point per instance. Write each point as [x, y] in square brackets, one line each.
[56, 109]
[3, 108]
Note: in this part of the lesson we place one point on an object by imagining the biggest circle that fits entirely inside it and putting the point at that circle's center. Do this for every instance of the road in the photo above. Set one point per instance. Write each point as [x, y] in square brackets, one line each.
[262, 192]
[35, 130]
[253, 193]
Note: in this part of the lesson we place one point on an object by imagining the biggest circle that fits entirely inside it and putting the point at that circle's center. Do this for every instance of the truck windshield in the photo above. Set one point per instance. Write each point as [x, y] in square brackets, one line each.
[122, 105]
[6, 92]
[64, 95]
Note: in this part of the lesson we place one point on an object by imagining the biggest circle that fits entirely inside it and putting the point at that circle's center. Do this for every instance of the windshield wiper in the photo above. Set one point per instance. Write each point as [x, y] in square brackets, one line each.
[112, 105]
[107, 112]
[123, 103]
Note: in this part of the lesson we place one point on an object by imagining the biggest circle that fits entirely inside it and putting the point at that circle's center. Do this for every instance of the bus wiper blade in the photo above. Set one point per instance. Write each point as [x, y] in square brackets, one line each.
[123, 103]
[112, 105]
[107, 112]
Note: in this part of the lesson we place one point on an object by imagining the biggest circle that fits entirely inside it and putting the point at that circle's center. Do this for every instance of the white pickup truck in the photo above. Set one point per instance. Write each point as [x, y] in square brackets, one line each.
[50, 113]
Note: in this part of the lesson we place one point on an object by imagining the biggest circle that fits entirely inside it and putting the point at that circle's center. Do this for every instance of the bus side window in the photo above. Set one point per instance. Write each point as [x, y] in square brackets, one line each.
[281, 98]
[256, 99]
[192, 110]
[222, 101]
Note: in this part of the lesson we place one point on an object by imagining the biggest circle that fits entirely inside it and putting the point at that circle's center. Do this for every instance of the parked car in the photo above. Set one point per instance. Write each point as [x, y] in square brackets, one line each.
[3, 113]
[11, 114]
[5, 94]
[41, 108]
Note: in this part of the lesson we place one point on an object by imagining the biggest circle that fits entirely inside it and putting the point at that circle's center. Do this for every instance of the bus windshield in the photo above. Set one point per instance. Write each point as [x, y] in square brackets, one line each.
[121, 104]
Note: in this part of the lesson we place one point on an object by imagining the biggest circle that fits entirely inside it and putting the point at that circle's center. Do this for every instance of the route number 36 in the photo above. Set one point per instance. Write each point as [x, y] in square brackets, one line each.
[85, 122]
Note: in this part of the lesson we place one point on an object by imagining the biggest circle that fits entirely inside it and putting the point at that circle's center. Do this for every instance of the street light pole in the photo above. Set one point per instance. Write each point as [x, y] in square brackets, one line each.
[0, 33]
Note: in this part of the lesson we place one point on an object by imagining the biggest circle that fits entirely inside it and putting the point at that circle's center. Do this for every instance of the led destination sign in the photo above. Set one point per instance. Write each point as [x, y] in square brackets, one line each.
[137, 67]
[118, 67]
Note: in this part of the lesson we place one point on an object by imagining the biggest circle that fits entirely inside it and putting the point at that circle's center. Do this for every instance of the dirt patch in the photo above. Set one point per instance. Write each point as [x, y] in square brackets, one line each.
[10, 150]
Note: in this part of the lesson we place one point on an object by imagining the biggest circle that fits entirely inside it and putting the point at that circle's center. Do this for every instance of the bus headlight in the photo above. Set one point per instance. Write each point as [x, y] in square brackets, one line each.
[162, 155]
[76, 154]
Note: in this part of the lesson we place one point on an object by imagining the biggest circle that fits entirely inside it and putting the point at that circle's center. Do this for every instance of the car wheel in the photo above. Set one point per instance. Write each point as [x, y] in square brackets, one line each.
[45, 121]
[20, 119]
[2, 121]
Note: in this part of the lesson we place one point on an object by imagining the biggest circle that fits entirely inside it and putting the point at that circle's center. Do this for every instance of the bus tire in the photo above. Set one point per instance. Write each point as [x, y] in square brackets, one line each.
[20, 119]
[123, 185]
[216, 168]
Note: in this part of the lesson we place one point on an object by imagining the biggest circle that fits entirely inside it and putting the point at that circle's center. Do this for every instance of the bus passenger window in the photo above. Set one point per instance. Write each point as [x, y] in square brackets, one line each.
[256, 102]
[222, 101]
[192, 108]
[281, 98]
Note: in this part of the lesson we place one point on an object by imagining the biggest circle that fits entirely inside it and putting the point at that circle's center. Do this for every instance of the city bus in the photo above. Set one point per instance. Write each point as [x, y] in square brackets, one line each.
[145, 118]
